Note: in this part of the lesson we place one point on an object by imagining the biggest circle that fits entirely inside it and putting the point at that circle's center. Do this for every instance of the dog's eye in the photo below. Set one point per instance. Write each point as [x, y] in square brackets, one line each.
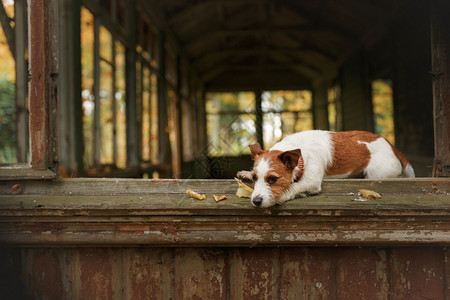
[272, 179]
[255, 177]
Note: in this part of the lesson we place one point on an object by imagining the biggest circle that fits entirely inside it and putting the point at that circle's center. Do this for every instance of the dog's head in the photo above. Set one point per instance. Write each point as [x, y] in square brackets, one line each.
[272, 174]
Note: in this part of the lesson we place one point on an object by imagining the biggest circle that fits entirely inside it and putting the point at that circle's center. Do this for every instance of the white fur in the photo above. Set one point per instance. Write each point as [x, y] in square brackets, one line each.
[381, 154]
[408, 172]
[262, 188]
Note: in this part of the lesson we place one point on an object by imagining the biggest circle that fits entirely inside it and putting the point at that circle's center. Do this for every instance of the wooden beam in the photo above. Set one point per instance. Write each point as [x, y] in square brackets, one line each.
[8, 30]
[223, 68]
[217, 54]
[299, 8]
[440, 55]
[131, 97]
[165, 152]
[194, 10]
[40, 84]
[130, 212]
[255, 32]
[21, 39]
[70, 103]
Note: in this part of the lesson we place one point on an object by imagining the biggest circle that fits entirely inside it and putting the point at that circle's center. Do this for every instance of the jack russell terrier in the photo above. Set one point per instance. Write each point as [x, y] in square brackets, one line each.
[296, 166]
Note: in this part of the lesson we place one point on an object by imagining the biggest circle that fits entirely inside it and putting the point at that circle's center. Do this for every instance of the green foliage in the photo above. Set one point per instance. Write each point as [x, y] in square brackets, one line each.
[7, 122]
[383, 109]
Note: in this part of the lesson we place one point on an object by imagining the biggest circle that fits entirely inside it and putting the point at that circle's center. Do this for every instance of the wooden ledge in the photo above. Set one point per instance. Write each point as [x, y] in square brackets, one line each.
[118, 212]
[11, 172]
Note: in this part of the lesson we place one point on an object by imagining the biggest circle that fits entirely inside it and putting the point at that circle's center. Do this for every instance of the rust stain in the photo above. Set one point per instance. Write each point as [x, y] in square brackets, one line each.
[146, 268]
[95, 274]
[134, 227]
[417, 274]
[200, 274]
[258, 273]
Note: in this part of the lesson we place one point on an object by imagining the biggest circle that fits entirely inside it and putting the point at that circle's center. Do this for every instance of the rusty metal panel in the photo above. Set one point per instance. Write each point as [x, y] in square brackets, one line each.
[307, 273]
[228, 273]
[361, 274]
[45, 273]
[148, 273]
[417, 273]
[254, 273]
[447, 273]
[95, 274]
[200, 273]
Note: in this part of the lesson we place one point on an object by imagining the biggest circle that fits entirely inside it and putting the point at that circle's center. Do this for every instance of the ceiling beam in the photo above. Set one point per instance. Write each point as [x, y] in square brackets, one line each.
[316, 20]
[215, 55]
[192, 10]
[256, 32]
[300, 68]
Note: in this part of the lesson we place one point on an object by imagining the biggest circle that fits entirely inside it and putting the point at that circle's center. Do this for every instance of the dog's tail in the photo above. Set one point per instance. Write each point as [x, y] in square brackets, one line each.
[408, 171]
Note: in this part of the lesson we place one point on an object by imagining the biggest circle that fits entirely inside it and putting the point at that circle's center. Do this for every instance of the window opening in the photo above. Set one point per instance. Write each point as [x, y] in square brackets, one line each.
[231, 123]
[284, 113]
[13, 83]
[383, 108]
[103, 96]
[334, 108]
[232, 119]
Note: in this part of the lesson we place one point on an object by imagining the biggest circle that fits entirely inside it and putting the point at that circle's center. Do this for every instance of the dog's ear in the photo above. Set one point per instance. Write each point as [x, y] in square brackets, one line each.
[255, 150]
[290, 158]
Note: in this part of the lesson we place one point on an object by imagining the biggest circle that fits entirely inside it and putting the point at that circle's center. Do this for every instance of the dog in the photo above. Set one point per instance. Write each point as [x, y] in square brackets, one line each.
[297, 165]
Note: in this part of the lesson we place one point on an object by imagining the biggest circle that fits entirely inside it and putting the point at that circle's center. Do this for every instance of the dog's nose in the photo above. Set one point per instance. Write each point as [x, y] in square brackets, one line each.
[257, 200]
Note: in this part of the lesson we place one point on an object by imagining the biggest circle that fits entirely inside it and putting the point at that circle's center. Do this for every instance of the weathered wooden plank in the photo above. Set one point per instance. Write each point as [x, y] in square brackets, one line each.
[417, 273]
[69, 214]
[116, 186]
[21, 38]
[254, 273]
[200, 273]
[307, 273]
[40, 84]
[22, 172]
[361, 274]
[164, 204]
[440, 56]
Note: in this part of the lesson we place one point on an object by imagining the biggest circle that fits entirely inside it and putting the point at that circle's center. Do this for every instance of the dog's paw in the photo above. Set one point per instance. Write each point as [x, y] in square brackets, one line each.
[245, 175]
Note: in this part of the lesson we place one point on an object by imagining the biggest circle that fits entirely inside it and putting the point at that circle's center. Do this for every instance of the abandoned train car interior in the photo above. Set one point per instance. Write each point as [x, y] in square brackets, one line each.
[111, 109]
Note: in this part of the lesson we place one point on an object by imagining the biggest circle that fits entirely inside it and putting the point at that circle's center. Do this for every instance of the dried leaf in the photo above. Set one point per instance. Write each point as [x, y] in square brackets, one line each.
[218, 198]
[15, 187]
[368, 194]
[195, 195]
[243, 191]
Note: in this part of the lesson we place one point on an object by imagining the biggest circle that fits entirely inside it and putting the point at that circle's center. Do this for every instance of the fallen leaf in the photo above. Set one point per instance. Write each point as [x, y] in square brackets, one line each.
[218, 198]
[368, 194]
[15, 187]
[195, 195]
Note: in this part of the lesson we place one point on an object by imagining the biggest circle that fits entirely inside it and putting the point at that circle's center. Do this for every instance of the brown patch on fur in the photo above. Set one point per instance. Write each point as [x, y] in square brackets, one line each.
[255, 150]
[349, 156]
[278, 169]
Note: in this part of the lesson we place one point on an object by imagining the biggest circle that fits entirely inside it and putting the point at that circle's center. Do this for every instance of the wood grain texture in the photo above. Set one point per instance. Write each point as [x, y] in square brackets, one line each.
[74, 213]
